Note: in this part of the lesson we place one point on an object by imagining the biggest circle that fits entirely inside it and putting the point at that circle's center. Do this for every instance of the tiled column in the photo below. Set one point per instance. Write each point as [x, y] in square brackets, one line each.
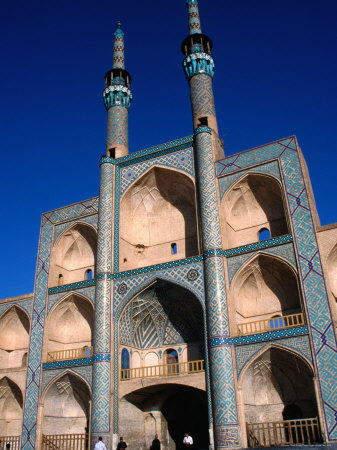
[225, 420]
[102, 338]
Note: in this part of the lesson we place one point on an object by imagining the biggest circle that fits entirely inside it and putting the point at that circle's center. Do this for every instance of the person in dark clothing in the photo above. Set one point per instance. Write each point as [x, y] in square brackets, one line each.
[121, 444]
[155, 443]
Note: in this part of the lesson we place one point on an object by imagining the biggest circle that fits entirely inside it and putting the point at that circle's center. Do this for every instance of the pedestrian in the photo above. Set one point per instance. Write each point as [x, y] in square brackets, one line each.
[155, 443]
[8, 446]
[100, 444]
[121, 444]
[188, 439]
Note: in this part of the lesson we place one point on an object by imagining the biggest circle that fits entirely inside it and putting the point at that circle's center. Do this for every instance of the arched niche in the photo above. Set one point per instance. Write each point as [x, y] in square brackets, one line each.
[70, 324]
[14, 337]
[278, 385]
[160, 317]
[73, 255]
[11, 402]
[332, 271]
[264, 288]
[253, 204]
[158, 220]
[66, 406]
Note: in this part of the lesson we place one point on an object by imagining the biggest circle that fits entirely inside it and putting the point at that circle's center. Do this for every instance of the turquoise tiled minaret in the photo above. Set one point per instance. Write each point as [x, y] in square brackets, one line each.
[199, 69]
[117, 100]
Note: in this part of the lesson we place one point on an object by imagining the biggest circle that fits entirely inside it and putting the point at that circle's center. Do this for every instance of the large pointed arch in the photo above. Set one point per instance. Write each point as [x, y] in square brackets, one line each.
[66, 405]
[73, 255]
[158, 219]
[11, 403]
[254, 203]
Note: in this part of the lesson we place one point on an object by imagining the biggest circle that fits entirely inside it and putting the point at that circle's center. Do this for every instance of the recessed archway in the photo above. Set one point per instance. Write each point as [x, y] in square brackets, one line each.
[265, 287]
[60, 332]
[73, 255]
[14, 337]
[278, 385]
[11, 402]
[254, 203]
[66, 406]
[158, 219]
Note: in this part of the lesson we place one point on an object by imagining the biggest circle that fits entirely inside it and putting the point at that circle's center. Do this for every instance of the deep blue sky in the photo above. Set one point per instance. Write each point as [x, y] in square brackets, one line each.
[276, 72]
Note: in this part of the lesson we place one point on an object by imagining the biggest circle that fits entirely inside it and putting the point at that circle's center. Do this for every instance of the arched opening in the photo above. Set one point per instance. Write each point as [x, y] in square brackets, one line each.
[73, 254]
[332, 272]
[169, 410]
[88, 274]
[266, 296]
[125, 364]
[162, 318]
[63, 338]
[254, 203]
[66, 406]
[264, 234]
[14, 337]
[11, 403]
[158, 220]
[278, 386]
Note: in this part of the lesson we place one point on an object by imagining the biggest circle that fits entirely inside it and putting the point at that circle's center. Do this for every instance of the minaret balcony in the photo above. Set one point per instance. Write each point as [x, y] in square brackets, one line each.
[197, 63]
[270, 324]
[164, 370]
[117, 95]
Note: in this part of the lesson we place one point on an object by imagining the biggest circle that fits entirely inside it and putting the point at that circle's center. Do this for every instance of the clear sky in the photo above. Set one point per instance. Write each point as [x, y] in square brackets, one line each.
[275, 75]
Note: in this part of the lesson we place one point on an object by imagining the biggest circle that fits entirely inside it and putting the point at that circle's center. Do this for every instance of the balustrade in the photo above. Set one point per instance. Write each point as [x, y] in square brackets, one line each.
[72, 353]
[14, 442]
[64, 442]
[164, 370]
[271, 324]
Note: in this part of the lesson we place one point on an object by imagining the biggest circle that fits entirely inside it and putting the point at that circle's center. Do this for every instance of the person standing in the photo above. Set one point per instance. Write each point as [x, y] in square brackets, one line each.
[188, 439]
[100, 444]
[121, 444]
[155, 443]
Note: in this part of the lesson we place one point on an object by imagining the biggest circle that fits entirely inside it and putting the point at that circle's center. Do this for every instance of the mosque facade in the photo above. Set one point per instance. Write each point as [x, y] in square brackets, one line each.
[197, 293]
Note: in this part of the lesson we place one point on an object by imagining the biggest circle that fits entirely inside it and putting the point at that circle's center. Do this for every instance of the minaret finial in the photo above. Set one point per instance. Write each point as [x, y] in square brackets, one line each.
[193, 17]
[118, 56]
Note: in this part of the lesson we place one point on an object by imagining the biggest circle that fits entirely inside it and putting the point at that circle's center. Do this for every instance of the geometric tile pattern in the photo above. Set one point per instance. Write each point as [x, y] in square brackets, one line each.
[49, 219]
[72, 286]
[251, 338]
[117, 127]
[105, 219]
[220, 358]
[271, 168]
[201, 92]
[256, 245]
[90, 220]
[305, 243]
[86, 292]
[68, 363]
[26, 305]
[48, 376]
[244, 353]
[101, 397]
[182, 160]
[285, 251]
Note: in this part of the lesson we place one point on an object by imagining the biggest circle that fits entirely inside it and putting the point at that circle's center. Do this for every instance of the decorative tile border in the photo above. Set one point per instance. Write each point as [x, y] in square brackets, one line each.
[257, 245]
[61, 227]
[72, 286]
[67, 363]
[87, 292]
[218, 341]
[48, 376]
[25, 305]
[178, 144]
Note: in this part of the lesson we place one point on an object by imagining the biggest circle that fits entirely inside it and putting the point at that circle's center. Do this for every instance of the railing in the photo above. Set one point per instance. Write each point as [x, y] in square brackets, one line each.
[64, 442]
[299, 432]
[14, 442]
[72, 353]
[275, 323]
[164, 370]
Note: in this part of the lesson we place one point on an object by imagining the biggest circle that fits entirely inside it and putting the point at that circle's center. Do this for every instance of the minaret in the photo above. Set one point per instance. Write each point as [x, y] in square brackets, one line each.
[199, 67]
[117, 100]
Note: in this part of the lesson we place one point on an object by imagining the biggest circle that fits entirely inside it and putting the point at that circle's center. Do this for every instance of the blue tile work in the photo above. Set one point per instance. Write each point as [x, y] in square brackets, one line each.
[256, 245]
[260, 337]
[72, 286]
[245, 353]
[90, 220]
[220, 358]
[87, 292]
[48, 376]
[181, 160]
[306, 248]
[26, 305]
[202, 99]
[49, 219]
[67, 363]
[270, 168]
[148, 153]
[285, 251]
[117, 127]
